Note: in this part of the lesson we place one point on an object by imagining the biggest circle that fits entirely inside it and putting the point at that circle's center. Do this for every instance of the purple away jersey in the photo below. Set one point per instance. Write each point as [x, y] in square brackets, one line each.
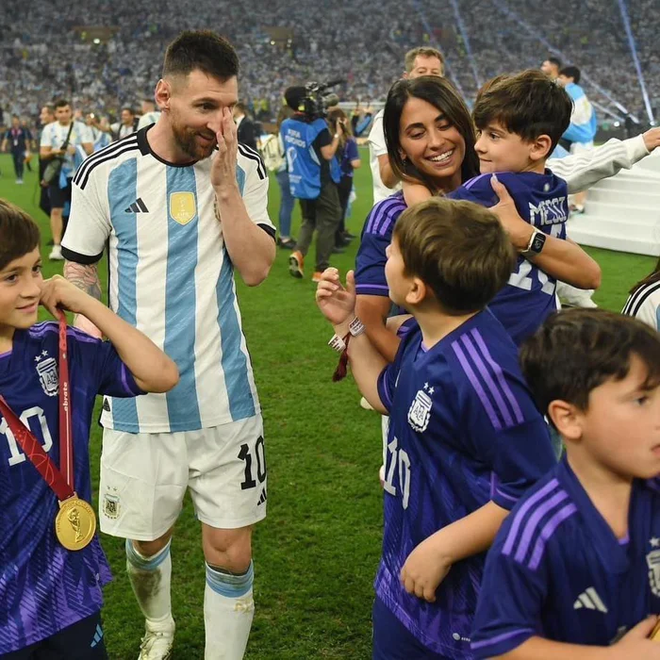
[43, 587]
[463, 431]
[376, 236]
[542, 200]
[558, 571]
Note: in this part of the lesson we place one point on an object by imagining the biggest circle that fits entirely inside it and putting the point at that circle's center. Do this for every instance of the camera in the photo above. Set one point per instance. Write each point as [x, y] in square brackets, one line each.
[317, 99]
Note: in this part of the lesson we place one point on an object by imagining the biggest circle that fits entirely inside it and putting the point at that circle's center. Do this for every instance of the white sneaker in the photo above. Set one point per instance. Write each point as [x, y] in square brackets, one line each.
[157, 642]
[56, 253]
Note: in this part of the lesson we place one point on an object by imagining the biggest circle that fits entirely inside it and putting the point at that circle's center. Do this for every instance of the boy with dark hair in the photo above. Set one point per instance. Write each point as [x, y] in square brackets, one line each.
[520, 120]
[575, 569]
[465, 439]
[51, 596]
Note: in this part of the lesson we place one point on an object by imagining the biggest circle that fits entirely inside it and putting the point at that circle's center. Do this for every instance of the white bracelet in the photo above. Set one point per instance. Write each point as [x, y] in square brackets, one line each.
[356, 327]
[337, 344]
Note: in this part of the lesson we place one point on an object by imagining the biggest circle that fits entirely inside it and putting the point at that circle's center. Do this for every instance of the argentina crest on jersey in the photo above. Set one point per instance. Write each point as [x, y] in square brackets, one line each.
[47, 370]
[183, 207]
[420, 409]
[653, 562]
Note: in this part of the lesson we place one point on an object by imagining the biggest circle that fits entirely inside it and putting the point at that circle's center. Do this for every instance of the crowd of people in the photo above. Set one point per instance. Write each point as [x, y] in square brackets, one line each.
[52, 53]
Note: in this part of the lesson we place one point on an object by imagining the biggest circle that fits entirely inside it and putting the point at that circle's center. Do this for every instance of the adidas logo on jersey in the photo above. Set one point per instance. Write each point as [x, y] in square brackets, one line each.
[138, 206]
[590, 600]
[263, 497]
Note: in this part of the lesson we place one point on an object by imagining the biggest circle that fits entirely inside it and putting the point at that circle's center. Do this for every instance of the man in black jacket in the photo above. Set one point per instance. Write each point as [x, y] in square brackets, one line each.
[247, 129]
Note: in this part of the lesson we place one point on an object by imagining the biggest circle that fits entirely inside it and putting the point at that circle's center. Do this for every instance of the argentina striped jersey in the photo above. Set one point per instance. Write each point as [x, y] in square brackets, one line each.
[170, 276]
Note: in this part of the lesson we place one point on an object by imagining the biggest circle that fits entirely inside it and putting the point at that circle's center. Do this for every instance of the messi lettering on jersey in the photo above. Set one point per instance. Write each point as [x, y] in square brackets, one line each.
[541, 199]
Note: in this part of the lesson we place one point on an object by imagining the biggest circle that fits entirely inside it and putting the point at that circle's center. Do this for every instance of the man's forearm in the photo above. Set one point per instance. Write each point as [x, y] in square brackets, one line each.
[251, 249]
[86, 278]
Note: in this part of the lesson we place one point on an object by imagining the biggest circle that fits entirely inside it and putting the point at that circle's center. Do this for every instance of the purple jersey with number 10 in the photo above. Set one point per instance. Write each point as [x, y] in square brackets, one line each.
[45, 588]
[464, 431]
[542, 200]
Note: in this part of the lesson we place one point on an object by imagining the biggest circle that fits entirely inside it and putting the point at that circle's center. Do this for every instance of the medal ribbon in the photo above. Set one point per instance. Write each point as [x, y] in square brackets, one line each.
[60, 480]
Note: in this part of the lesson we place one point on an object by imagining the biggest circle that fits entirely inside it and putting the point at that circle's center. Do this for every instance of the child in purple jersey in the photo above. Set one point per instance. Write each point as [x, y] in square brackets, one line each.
[465, 438]
[575, 569]
[50, 597]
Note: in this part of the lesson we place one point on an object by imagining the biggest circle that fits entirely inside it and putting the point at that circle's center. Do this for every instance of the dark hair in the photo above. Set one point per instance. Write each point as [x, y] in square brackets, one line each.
[284, 113]
[459, 249]
[554, 60]
[49, 107]
[60, 103]
[577, 350]
[571, 72]
[440, 93]
[201, 50]
[19, 234]
[128, 107]
[294, 97]
[422, 51]
[528, 104]
[242, 107]
[653, 276]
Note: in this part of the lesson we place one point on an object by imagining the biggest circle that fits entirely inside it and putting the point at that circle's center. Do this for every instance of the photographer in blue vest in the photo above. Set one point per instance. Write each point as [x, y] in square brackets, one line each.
[313, 176]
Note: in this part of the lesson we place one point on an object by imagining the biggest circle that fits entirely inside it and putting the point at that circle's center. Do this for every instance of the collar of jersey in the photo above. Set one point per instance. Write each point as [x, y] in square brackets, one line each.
[146, 150]
[613, 555]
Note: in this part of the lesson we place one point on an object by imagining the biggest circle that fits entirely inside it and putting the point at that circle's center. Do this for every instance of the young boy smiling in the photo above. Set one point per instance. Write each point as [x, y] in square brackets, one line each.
[51, 596]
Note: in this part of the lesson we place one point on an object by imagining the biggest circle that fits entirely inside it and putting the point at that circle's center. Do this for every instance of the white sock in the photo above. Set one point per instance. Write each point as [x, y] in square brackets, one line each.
[228, 613]
[151, 578]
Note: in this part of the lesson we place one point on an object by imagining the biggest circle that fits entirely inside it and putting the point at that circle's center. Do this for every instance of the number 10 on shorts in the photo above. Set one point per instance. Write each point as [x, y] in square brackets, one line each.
[255, 464]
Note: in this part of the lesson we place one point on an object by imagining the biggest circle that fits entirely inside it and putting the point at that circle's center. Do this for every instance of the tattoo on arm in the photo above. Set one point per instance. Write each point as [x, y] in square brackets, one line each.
[85, 277]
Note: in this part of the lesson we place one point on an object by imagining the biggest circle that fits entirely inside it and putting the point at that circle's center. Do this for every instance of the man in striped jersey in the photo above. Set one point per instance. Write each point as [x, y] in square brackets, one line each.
[181, 206]
[575, 568]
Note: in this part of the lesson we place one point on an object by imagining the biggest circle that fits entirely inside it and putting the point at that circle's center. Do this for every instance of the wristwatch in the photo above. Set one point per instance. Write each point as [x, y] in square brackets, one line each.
[535, 245]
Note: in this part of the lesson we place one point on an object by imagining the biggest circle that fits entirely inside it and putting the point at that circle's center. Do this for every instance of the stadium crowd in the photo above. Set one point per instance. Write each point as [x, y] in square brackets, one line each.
[50, 52]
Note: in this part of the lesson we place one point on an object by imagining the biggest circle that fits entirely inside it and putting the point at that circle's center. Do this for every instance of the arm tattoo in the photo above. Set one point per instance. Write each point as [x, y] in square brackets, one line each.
[85, 277]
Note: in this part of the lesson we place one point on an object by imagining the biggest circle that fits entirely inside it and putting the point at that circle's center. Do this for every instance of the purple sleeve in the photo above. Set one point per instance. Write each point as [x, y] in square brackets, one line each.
[477, 190]
[510, 603]
[370, 266]
[105, 369]
[386, 382]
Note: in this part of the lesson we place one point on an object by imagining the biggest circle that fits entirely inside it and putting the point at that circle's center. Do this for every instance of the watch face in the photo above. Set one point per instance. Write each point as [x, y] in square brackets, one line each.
[538, 242]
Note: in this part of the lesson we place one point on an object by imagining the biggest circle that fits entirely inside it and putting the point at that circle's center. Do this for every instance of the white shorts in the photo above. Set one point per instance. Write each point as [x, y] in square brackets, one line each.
[144, 477]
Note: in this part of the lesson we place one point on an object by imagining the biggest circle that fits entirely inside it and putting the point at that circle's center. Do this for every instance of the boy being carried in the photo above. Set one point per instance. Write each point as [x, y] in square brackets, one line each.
[575, 569]
[50, 597]
[465, 438]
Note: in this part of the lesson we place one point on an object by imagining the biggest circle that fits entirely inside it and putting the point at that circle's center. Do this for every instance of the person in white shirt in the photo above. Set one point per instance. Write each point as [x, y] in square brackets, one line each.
[420, 61]
[182, 206]
[56, 135]
[149, 114]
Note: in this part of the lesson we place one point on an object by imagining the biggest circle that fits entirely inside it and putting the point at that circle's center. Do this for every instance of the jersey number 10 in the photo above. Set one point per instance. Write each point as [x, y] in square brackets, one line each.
[397, 457]
[16, 455]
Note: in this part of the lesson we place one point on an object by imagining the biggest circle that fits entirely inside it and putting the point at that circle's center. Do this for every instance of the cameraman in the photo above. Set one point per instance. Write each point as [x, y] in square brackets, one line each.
[313, 176]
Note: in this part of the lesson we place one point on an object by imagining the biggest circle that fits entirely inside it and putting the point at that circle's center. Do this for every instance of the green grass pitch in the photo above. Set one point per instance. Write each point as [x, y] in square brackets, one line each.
[316, 553]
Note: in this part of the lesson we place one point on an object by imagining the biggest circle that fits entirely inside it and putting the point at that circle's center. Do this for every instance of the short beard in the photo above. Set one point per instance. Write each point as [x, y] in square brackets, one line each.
[186, 141]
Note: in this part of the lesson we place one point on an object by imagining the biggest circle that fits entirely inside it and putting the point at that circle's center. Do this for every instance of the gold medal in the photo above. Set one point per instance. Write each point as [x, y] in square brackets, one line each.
[75, 523]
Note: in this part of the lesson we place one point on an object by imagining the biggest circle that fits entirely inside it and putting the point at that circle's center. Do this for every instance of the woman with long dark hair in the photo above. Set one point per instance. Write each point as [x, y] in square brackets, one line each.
[644, 299]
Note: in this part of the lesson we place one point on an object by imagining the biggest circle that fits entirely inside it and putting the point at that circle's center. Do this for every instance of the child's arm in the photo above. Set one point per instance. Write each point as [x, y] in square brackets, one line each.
[414, 193]
[562, 259]
[152, 370]
[338, 306]
[428, 564]
[635, 644]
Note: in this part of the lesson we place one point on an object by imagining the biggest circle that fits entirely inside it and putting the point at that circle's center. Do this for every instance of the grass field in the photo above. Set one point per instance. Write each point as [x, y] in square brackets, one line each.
[316, 553]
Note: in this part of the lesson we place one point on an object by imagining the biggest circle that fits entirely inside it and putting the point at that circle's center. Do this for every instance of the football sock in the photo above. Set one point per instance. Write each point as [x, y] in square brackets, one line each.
[151, 578]
[228, 612]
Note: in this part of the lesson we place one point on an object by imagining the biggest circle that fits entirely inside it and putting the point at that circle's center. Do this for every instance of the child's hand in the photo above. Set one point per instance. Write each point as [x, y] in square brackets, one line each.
[414, 193]
[424, 570]
[59, 292]
[636, 643]
[336, 302]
